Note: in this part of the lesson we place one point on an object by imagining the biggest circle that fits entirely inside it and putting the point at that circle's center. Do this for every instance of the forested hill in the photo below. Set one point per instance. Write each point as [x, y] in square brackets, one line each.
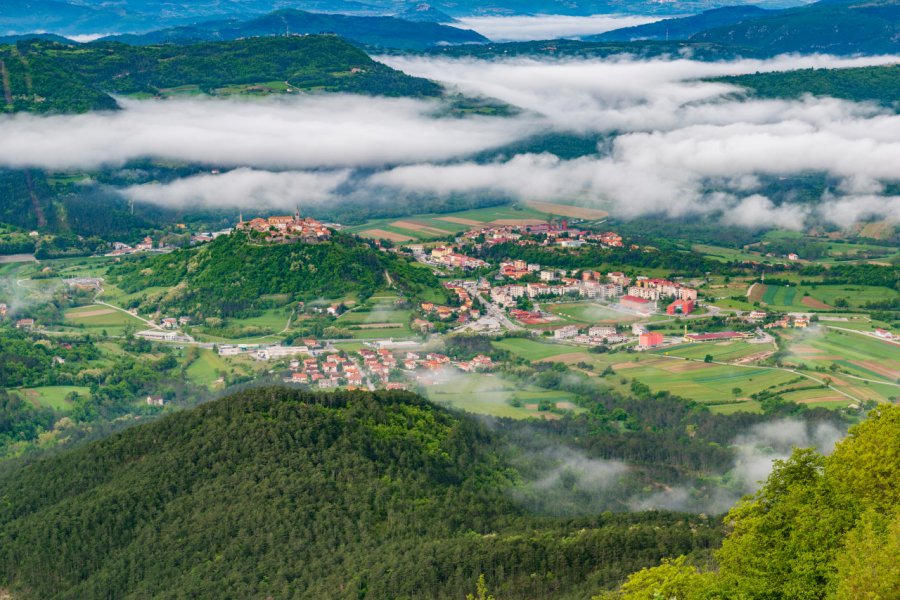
[821, 527]
[876, 84]
[381, 32]
[233, 274]
[46, 76]
[284, 494]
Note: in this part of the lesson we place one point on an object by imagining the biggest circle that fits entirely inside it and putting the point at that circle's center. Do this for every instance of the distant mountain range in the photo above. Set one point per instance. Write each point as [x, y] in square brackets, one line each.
[830, 26]
[84, 17]
[383, 32]
[683, 28]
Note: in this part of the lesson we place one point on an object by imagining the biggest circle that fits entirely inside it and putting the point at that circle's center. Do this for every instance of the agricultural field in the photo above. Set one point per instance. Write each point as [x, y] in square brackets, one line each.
[590, 312]
[52, 396]
[380, 320]
[433, 226]
[531, 349]
[713, 384]
[96, 318]
[853, 353]
[818, 297]
[205, 369]
[728, 351]
[491, 395]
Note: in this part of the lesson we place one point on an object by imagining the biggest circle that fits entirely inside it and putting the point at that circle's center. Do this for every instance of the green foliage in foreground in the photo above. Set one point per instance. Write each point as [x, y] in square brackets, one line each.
[283, 494]
[877, 84]
[822, 527]
[52, 77]
[227, 277]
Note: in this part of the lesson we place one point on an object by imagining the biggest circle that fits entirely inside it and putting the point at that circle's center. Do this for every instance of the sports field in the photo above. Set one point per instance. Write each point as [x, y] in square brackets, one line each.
[720, 351]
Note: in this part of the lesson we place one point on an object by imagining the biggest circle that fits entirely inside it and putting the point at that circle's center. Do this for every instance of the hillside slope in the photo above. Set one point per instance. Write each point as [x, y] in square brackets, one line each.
[51, 77]
[283, 494]
[231, 275]
[384, 32]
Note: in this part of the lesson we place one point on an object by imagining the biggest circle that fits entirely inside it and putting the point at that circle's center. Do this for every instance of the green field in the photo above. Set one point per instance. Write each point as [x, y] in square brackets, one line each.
[382, 322]
[204, 370]
[823, 297]
[95, 319]
[720, 351]
[590, 312]
[53, 396]
[490, 395]
[854, 353]
[531, 349]
[432, 226]
[689, 379]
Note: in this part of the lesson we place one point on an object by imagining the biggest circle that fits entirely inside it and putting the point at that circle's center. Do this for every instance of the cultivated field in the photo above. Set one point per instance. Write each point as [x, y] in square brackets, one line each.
[531, 349]
[819, 297]
[96, 318]
[439, 225]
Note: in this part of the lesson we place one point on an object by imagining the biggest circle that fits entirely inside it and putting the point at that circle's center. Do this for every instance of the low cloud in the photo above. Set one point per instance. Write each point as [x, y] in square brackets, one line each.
[755, 454]
[242, 187]
[523, 28]
[673, 144]
[333, 131]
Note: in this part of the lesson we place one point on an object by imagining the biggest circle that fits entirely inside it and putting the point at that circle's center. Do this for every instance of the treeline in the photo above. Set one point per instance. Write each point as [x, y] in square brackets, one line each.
[295, 495]
[876, 84]
[685, 263]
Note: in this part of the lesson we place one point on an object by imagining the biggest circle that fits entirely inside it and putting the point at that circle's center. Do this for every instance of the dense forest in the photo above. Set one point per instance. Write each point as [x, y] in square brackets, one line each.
[821, 527]
[280, 493]
[231, 275]
[69, 78]
[876, 84]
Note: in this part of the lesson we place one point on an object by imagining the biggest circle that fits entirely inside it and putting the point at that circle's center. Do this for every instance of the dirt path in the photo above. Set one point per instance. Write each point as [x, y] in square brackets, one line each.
[7, 87]
[35, 202]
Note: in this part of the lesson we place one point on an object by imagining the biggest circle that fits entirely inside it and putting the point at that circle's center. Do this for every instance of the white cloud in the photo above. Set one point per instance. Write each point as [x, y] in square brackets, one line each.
[242, 187]
[304, 132]
[671, 137]
[522, 28]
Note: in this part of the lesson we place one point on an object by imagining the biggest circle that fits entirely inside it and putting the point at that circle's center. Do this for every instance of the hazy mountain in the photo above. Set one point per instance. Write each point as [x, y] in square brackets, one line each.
[387, 32]
[684, 27]
[863, 26]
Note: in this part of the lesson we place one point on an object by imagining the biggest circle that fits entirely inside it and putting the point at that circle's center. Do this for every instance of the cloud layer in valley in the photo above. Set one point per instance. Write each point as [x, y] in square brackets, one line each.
[671, 138]
[522, 28]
